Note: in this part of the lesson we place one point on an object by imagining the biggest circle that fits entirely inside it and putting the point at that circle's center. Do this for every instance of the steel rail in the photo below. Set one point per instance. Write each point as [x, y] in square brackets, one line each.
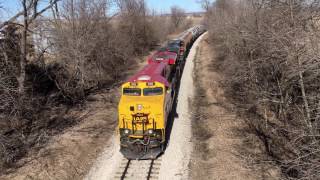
[150, 169]
[125, 170]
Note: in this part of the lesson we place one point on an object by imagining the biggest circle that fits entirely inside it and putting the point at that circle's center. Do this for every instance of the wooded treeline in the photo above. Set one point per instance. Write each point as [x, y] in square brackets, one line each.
[54, 53]
[269, 53]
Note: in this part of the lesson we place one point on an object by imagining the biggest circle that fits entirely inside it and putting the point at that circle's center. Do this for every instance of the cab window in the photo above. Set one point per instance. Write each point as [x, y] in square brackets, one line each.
[132, 91]
[153, 91]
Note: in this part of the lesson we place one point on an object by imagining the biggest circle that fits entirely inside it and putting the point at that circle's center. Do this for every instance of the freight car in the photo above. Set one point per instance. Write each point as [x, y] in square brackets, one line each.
[167, 57]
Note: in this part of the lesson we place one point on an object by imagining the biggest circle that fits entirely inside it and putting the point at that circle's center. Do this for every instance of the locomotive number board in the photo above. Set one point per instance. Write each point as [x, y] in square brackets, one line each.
[140, 118]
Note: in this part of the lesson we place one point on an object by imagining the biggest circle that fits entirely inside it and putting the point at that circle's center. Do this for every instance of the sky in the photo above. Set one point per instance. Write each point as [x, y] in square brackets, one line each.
[10, 7]
[164, 5]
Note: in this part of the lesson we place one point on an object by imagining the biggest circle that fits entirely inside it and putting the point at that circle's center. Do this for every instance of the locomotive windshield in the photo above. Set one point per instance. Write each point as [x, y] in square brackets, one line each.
[174, 43]
[153, 91]
[132, 91]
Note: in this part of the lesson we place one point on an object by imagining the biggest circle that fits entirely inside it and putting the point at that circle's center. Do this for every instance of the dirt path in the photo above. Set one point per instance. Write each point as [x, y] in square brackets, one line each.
[224, 148]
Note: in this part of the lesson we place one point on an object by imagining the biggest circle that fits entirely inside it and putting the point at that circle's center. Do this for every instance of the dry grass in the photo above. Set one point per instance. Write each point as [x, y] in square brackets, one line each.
[225, 148]
[69, 155]
[273, 77]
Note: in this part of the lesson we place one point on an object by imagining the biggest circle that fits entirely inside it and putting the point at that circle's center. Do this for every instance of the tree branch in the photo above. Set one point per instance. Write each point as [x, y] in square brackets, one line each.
[34, 16]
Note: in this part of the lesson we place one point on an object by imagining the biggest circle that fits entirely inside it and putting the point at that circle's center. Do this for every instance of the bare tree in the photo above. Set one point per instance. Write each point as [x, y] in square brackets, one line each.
[15, 49]
[177, 16]
[29, 13]
[86, 50]
[270, 59]
[205, 4]
[91, 50]
[136, 25]
[23, 55]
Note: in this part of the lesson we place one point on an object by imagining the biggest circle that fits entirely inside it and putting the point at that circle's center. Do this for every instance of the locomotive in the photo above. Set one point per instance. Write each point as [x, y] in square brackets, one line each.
[147, 99]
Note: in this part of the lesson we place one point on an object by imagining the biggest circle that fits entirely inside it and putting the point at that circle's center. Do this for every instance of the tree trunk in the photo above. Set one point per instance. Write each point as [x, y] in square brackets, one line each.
[23, 56]
[304, 97]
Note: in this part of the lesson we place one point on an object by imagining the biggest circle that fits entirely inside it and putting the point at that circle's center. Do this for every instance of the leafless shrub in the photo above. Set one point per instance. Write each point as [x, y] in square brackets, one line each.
[160, 25]
[178, 17]
[270, 56]
[25, 88]
[94, 50]
[135, 26]
[87, 47]
[16, 113]
[47, 61]
[206, 4]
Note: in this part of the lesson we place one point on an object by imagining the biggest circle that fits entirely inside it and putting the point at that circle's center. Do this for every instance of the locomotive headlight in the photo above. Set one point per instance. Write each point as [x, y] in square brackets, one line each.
[126, 131]
[139, 107]
[150, 131]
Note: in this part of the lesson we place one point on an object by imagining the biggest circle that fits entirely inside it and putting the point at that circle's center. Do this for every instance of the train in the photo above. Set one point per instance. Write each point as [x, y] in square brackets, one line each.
[147, 98]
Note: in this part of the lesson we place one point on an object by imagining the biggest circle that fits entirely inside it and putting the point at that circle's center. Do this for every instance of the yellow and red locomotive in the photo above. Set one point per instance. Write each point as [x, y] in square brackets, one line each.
[144, 107]
[147, 99]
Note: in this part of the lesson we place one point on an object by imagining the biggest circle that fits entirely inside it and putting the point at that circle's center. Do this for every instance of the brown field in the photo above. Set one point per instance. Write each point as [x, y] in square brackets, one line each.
[224, 147]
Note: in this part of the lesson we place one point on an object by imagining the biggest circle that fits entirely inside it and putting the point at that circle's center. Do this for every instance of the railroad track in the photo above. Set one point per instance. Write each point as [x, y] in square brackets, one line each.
[139, 170]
